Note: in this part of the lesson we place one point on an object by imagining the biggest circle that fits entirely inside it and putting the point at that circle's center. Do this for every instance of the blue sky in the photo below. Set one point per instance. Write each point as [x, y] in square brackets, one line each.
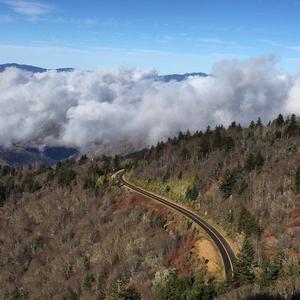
[170, 36]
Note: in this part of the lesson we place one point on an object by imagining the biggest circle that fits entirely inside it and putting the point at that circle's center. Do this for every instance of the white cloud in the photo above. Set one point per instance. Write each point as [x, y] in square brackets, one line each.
[31, 9]
[81, 108]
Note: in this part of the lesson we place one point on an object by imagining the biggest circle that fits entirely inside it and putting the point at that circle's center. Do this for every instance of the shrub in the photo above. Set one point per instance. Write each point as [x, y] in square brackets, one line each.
[191, 193]
[130, 293]
[70, 294]
[88, 281]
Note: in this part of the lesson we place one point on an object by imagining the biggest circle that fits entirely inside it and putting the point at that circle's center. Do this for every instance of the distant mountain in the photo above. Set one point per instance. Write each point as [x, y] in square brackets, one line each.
[32, 69]
[163, 78]
[17, 155]
[179, 77]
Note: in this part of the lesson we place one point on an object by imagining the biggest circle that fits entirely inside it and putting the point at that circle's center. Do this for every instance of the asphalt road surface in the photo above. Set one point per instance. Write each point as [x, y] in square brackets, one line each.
[224, 248]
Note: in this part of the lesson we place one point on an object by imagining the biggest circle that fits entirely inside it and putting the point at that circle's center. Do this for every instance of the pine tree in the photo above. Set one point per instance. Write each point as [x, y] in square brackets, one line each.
[185, 154]
[259, 160]
[271, 270]
[232, 125]
[218, 138]
[208, 130]
[279, 121]
[201, 289]
[228, 183]
[83, 159]
[204, 147]
[292, 127]
[244, 273]
[229, 143]
[175, 288]
[254, 162]
[2, 194]
[167, 176]
[297, 180]
[116, 163]
[247, 223]
[258, 123]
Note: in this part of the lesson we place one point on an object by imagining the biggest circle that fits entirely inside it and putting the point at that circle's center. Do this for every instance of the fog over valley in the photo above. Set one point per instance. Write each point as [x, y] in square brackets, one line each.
[80, 108]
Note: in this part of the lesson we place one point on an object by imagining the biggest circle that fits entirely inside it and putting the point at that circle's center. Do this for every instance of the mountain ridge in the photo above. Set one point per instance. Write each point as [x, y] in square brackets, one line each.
[35, 69]
[30, 68]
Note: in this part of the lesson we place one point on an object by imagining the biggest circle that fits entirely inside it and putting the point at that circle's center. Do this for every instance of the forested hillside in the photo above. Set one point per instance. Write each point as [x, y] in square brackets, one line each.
[246, 180]
[72, 232]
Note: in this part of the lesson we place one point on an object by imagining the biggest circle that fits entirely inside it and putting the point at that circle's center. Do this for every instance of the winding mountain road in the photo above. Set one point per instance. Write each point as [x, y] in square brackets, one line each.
[223, 246]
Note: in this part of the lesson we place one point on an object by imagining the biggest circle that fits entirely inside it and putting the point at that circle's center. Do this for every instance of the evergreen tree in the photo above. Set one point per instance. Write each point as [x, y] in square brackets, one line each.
[66, 176]
[232, 125]
[252, 125]
[297, 180]
[254, 162]
[279, 121]
[116, 163]
[2, 194]
[106, 166]
[208, 131]
[229, 143]
[228, 183]
[83, 159]
[244, 273]
[271, 270]
[247, 223]
[192, 193]
[185, 154]
[174, 288]
[204, 147]
[259, 160]
[180, 136]
[218, 139]
[166, 176]
[292, 127]
[250, 163]
[201, 289]
[187, 134]
[258, 123]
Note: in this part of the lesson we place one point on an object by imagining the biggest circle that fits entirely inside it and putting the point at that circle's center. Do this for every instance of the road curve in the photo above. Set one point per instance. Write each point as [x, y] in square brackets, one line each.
[224, 248]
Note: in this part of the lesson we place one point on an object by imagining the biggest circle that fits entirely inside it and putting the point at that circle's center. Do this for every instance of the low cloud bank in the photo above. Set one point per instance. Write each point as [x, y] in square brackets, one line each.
[81, 108]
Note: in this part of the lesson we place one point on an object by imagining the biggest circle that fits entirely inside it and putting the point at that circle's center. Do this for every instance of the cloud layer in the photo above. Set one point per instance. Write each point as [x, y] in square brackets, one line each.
[29, 8]
[83, 108]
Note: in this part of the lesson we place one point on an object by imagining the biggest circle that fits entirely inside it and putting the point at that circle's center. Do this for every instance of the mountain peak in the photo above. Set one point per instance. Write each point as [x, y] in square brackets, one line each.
[32, 69]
